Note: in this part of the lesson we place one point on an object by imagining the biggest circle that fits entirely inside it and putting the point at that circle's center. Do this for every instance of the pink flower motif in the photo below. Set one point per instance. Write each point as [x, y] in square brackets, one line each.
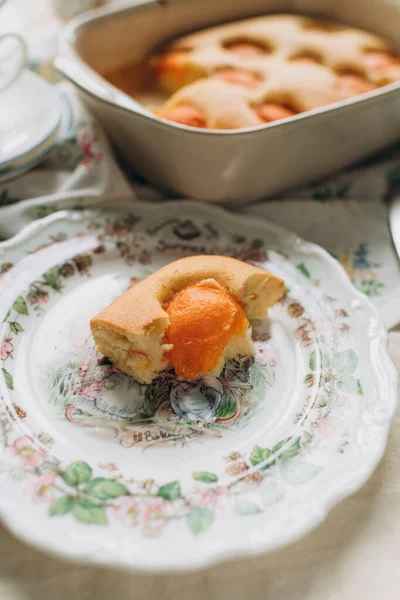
[306, 333]
[323, 327]
[128, 510]
[157, 509]
[109, 466]
[328, 427]
[266, 356]
[118, 227]
[42, 488]
[26, 452]
[200, 497]
[311, 330]
[344, 328]
[219, 499]
[5, 349]
[155, 515]
[154, 528]
[87, 145]
[38, 297]
[222, 500]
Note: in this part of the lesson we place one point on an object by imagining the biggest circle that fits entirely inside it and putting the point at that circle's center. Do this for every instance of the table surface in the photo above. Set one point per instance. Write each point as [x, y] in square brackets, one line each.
[354, 554]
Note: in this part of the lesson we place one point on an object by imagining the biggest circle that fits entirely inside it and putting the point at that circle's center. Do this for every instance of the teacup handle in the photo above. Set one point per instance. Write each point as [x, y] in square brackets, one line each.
[9, 78]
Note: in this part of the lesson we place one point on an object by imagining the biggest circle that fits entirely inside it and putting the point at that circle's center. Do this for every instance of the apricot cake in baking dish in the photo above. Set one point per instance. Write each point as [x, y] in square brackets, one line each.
[265, 69]
[192, 315]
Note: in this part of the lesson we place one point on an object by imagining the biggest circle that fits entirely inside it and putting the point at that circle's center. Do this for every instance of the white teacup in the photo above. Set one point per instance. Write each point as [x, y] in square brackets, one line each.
[12, 58]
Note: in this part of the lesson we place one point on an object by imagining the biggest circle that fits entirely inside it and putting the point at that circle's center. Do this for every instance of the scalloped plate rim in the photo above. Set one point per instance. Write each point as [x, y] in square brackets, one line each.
[341, 488]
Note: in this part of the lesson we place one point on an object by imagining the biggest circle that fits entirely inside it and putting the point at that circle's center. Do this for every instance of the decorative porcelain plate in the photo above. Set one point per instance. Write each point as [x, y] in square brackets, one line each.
[179, 475]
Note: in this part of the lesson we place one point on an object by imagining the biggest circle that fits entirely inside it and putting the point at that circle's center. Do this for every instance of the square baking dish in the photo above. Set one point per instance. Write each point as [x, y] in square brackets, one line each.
[218, 165]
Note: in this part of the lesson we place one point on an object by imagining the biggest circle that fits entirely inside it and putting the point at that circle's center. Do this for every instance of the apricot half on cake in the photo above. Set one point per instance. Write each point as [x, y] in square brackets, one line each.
[192, 315]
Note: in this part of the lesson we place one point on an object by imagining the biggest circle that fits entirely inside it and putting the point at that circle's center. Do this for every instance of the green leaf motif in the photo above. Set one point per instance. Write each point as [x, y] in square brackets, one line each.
[90, 513]
[205, 477]
[309, 380]
[20, 306]
[248, 508]
[292, 447]
[291, 451]
[67, 156]
[371, 287]
[15, 327]
[170, 491]
[280, 445]
[345, 362]
[105, 489]
[43, 211]
[77, 472]
[62, 506]
[259, 455]
[200, 519]
[303, 270]
[8, 379]
[350, 384]
[52, 278]
[324, 360]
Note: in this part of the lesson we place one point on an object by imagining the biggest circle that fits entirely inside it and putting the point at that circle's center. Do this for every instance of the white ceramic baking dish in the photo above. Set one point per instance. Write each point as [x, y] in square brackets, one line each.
[239, 165]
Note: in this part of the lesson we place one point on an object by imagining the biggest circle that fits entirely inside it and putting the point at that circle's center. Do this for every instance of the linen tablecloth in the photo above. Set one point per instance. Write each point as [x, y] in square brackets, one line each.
[355, 553]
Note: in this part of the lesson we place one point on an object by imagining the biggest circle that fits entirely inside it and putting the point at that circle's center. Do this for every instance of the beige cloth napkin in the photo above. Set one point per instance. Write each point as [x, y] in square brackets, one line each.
[353, 555]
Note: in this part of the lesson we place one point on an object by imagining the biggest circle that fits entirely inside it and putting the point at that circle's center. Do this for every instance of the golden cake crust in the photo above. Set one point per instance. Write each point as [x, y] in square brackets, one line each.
[140, 308]
[303, 63]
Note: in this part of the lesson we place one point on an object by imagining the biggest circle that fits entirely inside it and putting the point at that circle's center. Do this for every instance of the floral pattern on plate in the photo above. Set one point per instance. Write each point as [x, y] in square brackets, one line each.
[266, 427]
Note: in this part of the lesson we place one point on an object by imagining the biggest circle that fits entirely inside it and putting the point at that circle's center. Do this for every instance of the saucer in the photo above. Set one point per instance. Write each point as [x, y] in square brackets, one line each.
[41, 151]
[31, 119]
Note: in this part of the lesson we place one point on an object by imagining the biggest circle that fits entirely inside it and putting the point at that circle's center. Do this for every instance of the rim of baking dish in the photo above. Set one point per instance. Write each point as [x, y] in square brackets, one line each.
[70, 34]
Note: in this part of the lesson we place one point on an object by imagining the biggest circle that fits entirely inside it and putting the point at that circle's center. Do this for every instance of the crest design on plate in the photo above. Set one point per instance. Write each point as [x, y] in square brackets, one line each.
[169, 411]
